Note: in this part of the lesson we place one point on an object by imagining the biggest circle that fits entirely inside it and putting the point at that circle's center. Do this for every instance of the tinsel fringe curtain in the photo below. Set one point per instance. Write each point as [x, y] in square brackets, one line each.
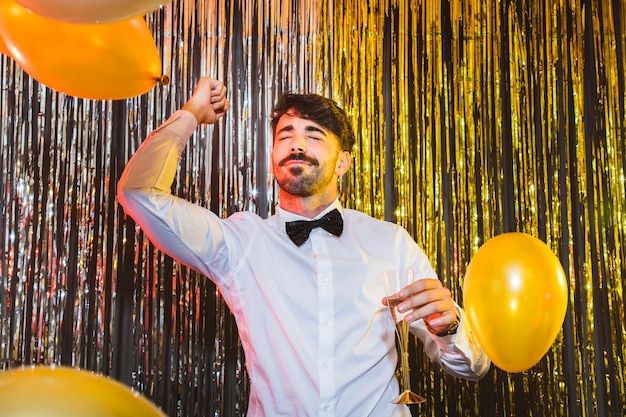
[474, 118]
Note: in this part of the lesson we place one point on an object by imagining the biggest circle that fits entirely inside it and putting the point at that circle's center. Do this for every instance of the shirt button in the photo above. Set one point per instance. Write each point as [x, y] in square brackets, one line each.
[326, 407]
[325, 365]
[326, 323]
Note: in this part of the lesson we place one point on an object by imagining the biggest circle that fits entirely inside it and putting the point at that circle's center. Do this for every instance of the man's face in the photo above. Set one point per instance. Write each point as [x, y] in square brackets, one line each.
[306, 158]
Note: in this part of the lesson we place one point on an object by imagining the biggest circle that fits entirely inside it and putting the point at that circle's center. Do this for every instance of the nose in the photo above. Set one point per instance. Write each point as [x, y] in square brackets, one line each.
[298, 144]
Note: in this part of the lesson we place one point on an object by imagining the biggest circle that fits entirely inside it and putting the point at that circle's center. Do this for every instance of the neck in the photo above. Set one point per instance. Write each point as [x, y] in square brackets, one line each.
[306, 206]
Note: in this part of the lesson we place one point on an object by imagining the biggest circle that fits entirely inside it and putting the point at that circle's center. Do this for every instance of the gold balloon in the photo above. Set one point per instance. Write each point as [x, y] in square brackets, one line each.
[515, 295]
[68, 392]
[94, 61]
[3, 47]
[91, 11]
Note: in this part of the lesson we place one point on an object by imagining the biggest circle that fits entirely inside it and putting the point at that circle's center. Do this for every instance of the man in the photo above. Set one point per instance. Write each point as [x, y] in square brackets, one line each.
[311, 313]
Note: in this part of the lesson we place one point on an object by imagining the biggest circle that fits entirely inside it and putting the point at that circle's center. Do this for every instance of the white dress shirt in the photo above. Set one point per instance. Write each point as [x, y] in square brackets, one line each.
[317, 339]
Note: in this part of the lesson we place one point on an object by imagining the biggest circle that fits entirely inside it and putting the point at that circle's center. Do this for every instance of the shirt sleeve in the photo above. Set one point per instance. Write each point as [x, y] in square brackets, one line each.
[187, 232]
[459, 354]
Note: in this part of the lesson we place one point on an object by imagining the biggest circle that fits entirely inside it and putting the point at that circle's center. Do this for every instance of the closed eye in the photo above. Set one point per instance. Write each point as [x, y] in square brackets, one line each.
[315, 132]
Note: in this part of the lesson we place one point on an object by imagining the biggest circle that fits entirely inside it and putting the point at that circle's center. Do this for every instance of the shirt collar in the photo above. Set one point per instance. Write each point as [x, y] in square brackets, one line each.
[283, 216]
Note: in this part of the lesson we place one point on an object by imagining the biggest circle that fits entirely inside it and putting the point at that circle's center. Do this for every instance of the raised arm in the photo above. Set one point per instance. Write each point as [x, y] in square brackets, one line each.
[186, 231]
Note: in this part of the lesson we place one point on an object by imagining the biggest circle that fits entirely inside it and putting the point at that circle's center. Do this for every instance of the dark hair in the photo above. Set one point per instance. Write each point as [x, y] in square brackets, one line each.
[320, 110]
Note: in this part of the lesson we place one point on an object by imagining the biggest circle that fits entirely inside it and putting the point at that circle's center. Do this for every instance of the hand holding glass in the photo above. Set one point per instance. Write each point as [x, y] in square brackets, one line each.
[394, 281]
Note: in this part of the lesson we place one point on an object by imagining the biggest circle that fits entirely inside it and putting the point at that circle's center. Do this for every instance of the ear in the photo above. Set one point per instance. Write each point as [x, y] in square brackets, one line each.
[343, 163]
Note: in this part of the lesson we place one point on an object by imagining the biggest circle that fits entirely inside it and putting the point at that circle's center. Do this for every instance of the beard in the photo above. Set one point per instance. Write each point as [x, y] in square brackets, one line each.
[301, 184]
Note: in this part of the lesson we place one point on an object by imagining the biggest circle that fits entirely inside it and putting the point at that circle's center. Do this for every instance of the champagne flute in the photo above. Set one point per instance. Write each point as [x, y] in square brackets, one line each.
[395, 280]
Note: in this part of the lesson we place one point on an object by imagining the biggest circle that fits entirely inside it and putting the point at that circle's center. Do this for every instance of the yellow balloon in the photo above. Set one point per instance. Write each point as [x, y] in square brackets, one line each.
[105, 61]
[91, 11]
[3, 47]
[515, 296]
[68, 392]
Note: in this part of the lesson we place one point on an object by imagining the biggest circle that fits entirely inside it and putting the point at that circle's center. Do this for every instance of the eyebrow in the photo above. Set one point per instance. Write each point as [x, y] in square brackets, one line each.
[308, 128]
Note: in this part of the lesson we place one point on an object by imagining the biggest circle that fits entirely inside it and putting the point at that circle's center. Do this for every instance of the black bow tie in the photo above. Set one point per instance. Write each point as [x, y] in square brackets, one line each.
[299, 230]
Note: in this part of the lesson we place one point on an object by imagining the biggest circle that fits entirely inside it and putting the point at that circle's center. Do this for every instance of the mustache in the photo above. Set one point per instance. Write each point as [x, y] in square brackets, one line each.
[298, 157]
